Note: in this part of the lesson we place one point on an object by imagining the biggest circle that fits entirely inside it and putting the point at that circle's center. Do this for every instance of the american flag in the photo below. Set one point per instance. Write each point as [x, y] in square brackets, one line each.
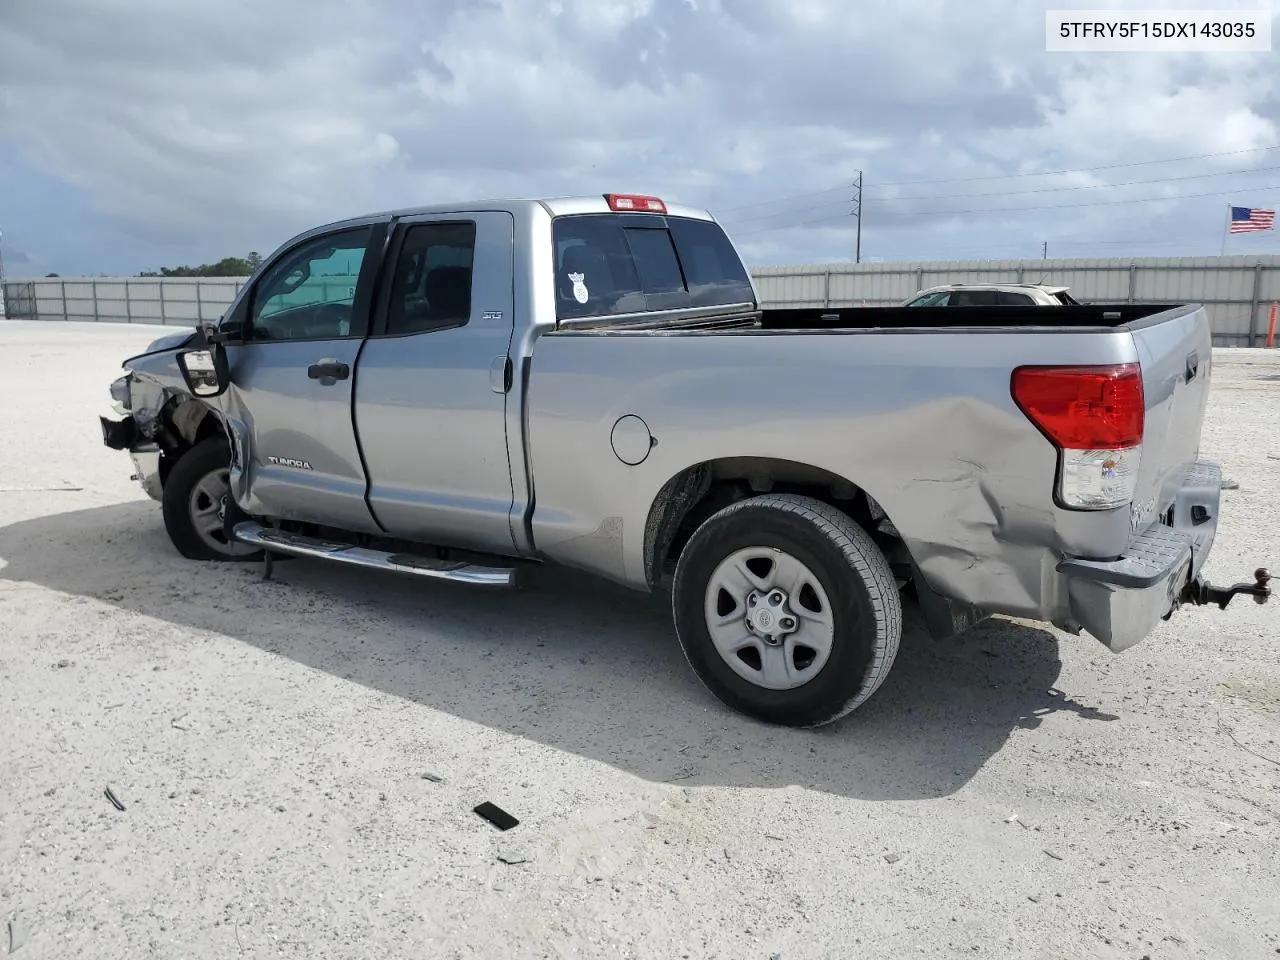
[1251, 219]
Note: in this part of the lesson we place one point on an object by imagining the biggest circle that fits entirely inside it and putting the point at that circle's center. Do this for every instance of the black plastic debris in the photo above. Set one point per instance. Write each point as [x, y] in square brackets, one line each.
[115, 802]
[496, 815]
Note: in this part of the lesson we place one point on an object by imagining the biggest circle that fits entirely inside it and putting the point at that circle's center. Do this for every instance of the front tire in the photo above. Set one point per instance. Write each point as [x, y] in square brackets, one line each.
[787, 610]
[196, 495]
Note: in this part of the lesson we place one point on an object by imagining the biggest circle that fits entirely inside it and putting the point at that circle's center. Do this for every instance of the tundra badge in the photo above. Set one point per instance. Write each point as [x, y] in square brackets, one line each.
[289, 462]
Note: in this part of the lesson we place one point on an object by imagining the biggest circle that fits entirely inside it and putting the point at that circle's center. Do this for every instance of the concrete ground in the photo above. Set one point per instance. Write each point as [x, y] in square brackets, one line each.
[1016, 793]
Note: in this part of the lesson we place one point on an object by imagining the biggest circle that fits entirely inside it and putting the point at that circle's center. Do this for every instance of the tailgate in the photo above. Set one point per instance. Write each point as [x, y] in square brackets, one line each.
[1175, 350]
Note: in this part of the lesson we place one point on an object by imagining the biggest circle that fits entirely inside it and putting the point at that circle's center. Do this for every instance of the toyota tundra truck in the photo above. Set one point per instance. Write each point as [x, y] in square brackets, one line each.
[456, 392]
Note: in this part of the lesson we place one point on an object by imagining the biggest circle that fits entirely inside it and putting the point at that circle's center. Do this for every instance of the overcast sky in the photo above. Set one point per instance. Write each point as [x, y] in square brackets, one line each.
[143, 133]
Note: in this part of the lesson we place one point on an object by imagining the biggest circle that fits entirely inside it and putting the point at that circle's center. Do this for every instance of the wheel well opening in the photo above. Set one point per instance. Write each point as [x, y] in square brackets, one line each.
[184, 423]
[693, 495]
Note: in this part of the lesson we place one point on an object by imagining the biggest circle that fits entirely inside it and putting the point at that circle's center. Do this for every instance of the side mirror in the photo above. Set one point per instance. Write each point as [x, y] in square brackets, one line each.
[205, 371]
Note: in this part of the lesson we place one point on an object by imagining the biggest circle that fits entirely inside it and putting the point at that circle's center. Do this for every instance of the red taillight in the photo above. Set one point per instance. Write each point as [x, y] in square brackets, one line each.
[1083, 408]
[634, 203]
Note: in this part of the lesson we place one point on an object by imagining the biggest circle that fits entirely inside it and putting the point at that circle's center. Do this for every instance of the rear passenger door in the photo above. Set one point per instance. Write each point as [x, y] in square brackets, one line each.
[432, 381]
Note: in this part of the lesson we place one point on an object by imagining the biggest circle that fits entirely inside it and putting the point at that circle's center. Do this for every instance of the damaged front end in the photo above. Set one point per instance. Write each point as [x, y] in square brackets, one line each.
[158, 419]
[141, 404]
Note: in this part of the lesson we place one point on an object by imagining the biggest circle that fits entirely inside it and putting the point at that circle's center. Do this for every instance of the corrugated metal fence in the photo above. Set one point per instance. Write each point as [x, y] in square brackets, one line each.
[1236, 291]
[176, 301]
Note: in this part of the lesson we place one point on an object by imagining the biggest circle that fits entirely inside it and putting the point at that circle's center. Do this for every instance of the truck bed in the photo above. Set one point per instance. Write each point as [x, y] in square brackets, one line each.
[899, 318]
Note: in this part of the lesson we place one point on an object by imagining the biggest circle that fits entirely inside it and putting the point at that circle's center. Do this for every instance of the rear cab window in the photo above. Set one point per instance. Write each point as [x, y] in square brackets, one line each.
[618, 263]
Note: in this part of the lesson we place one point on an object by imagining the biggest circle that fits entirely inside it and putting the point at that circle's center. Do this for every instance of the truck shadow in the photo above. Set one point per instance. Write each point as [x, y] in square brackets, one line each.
[571, 662]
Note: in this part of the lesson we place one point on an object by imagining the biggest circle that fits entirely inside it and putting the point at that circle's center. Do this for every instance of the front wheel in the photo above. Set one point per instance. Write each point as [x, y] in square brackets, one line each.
[195, 499]
[787, 610]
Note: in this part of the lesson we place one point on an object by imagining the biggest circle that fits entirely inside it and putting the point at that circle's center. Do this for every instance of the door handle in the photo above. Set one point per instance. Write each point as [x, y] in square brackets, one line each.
[328, 370]
[1193, 366]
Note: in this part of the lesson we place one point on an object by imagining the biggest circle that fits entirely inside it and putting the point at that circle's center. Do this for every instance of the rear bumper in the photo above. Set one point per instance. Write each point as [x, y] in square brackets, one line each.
[1120, 601]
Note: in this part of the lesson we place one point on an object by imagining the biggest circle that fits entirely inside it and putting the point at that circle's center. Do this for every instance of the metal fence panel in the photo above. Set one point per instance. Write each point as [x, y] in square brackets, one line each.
[1237, 292]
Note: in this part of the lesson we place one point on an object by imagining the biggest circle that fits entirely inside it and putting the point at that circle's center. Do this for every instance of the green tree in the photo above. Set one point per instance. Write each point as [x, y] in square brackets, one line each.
[254, 259]
[226, 267]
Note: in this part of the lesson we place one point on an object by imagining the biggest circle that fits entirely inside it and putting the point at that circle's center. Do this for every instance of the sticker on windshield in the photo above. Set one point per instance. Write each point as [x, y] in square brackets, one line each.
[579, 288]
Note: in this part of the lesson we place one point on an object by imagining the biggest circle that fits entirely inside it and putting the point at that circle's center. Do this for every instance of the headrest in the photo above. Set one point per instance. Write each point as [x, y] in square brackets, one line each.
[448, 291]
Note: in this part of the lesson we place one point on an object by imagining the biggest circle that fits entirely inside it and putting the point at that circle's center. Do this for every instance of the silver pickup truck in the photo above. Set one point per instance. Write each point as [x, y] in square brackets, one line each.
[455, 392]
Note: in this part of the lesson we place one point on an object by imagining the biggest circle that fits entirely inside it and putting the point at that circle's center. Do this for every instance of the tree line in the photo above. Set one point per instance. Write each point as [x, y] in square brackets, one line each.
[226, 267]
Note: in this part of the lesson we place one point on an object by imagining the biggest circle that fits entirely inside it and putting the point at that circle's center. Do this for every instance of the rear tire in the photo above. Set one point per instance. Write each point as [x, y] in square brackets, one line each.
[787, 610]
[195, 497]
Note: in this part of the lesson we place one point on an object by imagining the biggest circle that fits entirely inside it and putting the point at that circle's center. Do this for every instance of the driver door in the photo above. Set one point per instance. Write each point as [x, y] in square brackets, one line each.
[289, 402]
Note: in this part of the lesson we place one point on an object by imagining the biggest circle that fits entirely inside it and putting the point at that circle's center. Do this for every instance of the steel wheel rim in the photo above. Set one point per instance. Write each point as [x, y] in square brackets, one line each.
[207, 507]
[769, 618]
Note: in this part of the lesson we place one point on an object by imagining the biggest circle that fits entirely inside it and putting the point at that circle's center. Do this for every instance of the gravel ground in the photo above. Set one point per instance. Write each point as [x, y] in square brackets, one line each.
[1016, 793]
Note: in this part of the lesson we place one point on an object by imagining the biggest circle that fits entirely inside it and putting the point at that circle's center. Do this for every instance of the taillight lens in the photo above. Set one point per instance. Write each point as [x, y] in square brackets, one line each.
[1094, 416]
[635, 203]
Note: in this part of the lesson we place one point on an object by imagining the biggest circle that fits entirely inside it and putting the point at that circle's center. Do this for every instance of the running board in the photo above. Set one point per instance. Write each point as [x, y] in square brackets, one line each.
[296, 545]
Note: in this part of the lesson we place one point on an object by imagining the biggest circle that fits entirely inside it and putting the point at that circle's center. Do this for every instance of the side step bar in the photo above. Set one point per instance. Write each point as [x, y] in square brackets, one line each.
[295, 545]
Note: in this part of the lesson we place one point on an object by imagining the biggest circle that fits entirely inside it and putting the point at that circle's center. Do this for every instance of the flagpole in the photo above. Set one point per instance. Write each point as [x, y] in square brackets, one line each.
[1226, 230]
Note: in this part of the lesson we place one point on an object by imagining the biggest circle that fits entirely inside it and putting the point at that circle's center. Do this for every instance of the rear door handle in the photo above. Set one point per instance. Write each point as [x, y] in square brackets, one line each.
[329, 370]
[1193, 366]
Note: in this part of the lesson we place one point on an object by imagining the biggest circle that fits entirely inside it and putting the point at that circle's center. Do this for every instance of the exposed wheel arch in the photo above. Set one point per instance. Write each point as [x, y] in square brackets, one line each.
[698, 491]
[184, 423]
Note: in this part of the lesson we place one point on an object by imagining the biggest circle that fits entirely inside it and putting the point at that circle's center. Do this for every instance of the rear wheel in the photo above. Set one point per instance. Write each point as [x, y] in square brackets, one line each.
[196, 495]
[787, 610]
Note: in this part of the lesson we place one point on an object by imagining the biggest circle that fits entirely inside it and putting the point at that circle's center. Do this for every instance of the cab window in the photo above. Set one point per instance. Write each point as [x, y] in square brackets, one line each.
[431, 288]
[629, 263]
[309, 294]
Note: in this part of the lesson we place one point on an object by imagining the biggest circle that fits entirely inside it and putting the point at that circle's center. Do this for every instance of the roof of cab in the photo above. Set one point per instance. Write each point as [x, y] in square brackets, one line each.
[1048, 288]
[555, 206]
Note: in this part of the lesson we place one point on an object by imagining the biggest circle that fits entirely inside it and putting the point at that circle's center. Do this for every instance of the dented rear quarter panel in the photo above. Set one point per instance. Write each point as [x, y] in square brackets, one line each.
[923, 421]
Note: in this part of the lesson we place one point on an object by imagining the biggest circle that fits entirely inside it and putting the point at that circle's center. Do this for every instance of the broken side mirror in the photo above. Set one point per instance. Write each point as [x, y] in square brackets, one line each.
[205, 370]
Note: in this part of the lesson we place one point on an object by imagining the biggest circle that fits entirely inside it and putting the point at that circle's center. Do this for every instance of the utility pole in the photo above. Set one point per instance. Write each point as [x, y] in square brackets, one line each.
[1044, 250]
[857, 212]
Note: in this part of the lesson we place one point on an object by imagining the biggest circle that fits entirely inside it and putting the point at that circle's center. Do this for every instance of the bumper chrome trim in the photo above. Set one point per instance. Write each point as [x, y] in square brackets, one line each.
[146, 464]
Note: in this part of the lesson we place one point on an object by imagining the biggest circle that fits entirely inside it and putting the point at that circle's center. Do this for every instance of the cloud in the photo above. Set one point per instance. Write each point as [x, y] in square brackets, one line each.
[198, 130]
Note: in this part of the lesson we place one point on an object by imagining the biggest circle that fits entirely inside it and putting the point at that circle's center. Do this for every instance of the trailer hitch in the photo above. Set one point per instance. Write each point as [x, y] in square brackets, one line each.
[1202, 593]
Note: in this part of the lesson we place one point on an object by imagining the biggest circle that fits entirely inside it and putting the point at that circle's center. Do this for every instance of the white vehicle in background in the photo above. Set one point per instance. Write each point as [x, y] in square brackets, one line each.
[992, 295]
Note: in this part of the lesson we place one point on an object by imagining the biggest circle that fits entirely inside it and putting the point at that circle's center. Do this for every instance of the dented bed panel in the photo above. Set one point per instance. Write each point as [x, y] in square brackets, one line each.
[925, 425]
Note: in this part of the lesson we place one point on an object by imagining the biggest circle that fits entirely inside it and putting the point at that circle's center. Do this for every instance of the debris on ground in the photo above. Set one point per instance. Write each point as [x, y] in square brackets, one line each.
[495, 815]
[17, 934]
[513, 857]
[115, 802]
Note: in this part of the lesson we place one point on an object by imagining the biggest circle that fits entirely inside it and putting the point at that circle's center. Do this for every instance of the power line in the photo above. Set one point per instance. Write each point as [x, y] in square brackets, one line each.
[1029, 245]
[1081, 186]
[1054, 206]
[1007, 176]
[1106, 166]
[782, 213]
[1014, 193]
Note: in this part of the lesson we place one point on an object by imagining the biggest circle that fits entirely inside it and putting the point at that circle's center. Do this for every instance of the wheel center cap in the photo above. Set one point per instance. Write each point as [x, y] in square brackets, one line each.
[764, 619]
